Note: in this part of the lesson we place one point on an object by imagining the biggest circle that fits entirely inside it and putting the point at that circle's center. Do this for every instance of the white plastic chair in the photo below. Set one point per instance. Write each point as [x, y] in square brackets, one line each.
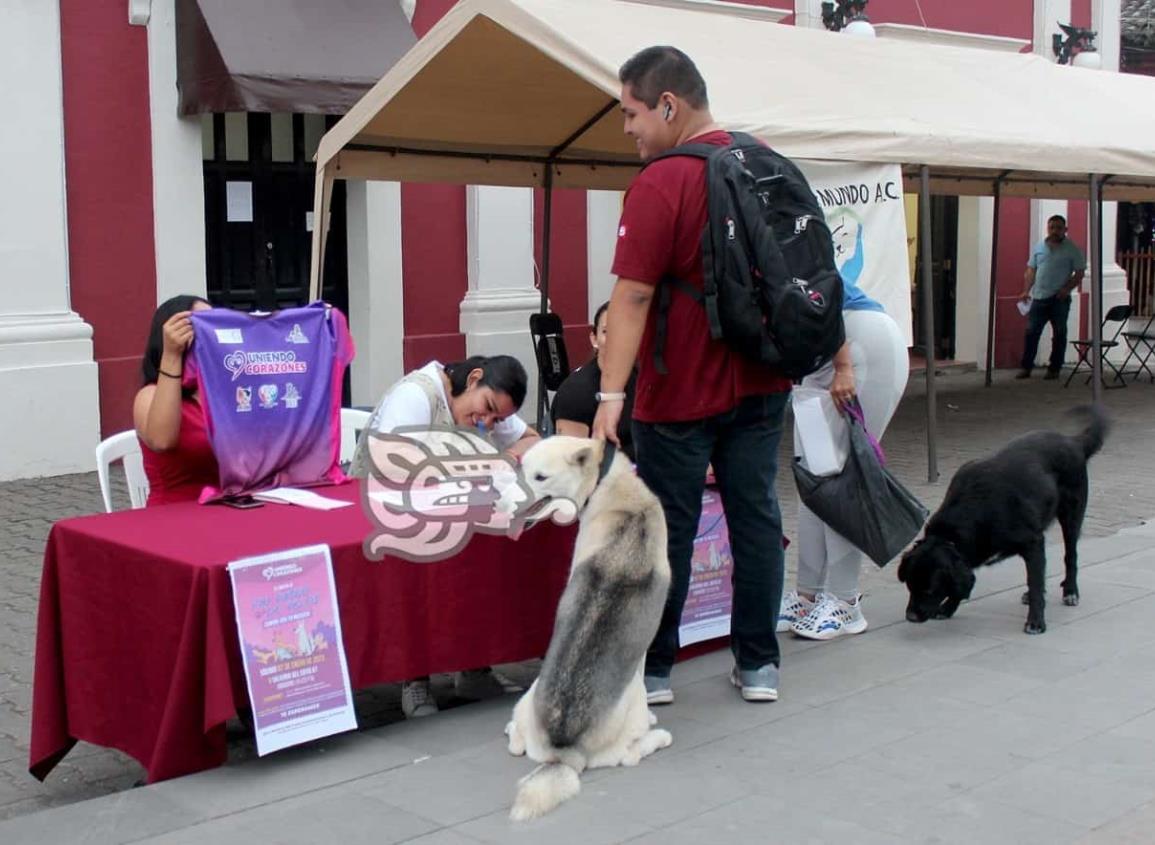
[122, 447]
[352, 421]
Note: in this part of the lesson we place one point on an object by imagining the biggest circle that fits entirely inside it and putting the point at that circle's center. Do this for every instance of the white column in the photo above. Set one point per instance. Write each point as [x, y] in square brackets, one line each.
[808, 13]
[178, 193]
[501, 296]
[1048, 15]
[603, 214]
[50, 424]
[973, 278]
[1105, 20]
[376, 297]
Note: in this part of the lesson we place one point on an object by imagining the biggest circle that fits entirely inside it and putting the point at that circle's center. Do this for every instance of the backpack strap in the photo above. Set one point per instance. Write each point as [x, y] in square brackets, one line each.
[665, 286]
[694, 150]
[702, 151]
[742, 139]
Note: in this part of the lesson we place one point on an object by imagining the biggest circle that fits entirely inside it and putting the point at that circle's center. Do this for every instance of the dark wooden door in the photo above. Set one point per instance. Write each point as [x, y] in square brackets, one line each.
[944, 275]
[258, 213]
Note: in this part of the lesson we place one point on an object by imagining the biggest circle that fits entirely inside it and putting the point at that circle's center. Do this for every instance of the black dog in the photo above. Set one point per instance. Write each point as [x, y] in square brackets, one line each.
[999, 507]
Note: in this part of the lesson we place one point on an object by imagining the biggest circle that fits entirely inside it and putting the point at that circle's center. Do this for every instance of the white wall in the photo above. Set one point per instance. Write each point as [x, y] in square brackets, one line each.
[1105, 19]
[178, 194]
[973, 278]
[376, 297]
[603, 213]
[51, 420]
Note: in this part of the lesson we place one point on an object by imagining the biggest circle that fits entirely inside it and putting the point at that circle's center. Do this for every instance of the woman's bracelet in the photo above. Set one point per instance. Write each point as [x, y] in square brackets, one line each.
[170, 375]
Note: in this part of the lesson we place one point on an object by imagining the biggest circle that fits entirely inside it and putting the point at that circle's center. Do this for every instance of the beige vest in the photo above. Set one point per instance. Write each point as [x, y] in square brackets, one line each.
[439, 414]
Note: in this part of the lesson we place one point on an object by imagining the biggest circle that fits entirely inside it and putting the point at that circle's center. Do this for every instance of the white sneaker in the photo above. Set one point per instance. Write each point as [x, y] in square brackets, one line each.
[417, 700]
[831, 617]
[793, 609]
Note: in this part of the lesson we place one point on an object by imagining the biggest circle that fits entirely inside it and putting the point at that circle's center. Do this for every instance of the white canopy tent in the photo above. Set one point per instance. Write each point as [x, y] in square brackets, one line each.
[524, 93]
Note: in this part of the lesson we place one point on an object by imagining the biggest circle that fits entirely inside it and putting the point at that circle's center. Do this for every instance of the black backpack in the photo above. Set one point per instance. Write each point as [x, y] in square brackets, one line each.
[771, 288]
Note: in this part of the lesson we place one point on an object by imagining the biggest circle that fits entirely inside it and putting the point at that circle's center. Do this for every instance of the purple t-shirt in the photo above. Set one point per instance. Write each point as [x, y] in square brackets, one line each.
[270, 386]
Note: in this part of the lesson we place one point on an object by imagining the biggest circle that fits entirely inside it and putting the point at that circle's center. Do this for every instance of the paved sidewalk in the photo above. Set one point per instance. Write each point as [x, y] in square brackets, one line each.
[959, 731]
[961, 675]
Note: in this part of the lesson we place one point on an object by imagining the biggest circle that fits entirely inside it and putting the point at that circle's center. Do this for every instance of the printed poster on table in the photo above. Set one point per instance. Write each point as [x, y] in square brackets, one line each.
[290, 635]
[706, 614]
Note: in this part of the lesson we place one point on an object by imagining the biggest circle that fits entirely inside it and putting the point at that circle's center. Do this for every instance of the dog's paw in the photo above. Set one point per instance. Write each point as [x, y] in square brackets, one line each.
[662, 738]
[1035, 627]
[1072, 600]
[516, 740]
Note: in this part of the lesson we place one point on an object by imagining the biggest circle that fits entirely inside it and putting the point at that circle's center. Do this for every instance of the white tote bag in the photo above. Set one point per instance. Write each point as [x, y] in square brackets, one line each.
[821, 438]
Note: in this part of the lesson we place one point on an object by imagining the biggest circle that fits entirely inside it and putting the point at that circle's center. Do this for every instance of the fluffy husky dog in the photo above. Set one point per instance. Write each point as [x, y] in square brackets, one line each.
[587, 708]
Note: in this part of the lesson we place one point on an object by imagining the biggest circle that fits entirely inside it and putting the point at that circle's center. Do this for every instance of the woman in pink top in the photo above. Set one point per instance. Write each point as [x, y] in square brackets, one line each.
[170, 423]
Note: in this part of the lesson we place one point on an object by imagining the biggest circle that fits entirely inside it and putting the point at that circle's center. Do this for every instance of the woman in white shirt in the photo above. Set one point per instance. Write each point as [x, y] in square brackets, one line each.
[480, 392]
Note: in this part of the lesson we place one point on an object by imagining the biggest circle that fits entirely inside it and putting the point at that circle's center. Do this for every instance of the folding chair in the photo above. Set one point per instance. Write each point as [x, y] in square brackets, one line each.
[548, 336]
[1135, 340]
[1117, 314]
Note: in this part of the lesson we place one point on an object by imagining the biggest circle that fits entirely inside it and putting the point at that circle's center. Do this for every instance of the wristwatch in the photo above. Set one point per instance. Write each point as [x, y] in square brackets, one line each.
[610, 397]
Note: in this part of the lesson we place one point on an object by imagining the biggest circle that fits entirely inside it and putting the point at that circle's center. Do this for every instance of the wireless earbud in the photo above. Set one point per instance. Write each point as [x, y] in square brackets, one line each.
[669, 110]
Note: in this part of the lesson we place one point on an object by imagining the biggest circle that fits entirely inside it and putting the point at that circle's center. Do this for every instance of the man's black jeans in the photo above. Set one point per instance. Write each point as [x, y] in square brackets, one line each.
[742, 445]
[1054, 311]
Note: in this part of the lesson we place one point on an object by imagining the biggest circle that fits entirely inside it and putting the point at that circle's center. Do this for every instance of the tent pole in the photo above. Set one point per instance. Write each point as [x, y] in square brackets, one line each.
[1095, 235]
[993, 284]
[322, 197]
[547, 231]
[928, 324]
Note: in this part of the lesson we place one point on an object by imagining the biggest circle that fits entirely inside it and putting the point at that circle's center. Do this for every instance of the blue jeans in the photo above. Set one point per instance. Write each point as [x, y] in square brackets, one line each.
[1054, 311]
[742, 444]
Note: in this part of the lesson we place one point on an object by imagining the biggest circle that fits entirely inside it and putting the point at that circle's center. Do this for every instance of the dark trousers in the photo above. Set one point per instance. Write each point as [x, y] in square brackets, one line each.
[1043, 311]
[742, 445]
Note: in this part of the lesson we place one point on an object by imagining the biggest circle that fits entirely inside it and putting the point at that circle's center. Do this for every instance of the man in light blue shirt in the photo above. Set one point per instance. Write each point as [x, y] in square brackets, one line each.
[1056, 268]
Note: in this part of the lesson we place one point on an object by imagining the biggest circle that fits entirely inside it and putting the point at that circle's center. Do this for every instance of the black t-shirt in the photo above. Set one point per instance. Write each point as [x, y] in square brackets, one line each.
[575, 402]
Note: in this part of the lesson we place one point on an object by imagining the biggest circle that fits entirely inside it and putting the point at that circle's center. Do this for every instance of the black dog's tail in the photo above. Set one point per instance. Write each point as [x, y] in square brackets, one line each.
[1098, 425]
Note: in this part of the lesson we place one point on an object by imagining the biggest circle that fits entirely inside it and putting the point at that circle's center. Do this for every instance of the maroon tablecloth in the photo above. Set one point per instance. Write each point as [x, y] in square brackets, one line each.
[136, 642]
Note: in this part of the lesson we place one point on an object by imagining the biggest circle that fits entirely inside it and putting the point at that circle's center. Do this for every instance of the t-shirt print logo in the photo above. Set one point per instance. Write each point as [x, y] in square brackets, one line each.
[622, 231]
[235, 363]
[277, 362]
[429, 489]
[296, 335]
[267, 393]
[244, 399]
[291, 396]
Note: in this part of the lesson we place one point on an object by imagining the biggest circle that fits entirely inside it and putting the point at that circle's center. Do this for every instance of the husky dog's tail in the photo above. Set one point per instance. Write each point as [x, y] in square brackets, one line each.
[548, 786]
[1098, 425]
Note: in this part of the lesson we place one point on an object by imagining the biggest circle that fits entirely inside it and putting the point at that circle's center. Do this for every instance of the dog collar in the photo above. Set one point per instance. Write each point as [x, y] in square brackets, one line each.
[603, 470]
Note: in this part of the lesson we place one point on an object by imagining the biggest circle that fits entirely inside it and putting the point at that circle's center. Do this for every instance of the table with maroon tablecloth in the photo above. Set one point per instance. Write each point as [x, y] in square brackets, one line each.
[136, 643]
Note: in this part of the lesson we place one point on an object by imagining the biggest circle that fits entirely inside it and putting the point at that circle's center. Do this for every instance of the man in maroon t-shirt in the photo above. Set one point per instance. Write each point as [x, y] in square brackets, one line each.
[713, 406]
